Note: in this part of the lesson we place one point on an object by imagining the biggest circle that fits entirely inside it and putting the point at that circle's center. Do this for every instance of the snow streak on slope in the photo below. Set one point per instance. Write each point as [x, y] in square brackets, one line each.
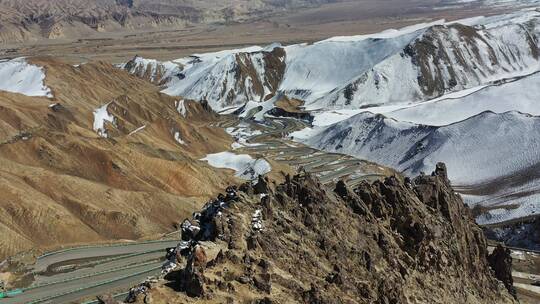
[521, 95]
[18, 76]
[101, 115]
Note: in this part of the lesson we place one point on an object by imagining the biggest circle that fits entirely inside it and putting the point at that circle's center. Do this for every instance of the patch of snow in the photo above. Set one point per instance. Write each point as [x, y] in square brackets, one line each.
[178, 138]
[18, 76]
[181, 107]
[528, 205]
[256, 220]
[101, 115]
[245, 166]
[241, 134]
[257, 110]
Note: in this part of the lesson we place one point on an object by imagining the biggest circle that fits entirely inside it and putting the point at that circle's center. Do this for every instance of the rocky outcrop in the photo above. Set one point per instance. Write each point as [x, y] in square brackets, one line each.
[391, 241]
[501, 263]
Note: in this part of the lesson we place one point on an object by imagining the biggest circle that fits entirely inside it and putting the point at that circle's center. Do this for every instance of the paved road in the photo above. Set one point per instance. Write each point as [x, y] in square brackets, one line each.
[105, 251]
[67, 291]
[101, 265]
[98, 270]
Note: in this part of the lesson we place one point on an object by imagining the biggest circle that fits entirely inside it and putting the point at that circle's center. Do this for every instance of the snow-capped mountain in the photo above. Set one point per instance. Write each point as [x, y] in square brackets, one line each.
[488, 148]
[413, 148]
[462, 92]
[222, 78]
[444, 58]
[416, 63]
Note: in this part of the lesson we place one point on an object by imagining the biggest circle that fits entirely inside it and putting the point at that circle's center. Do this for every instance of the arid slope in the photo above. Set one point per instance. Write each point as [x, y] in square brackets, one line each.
[62, 184]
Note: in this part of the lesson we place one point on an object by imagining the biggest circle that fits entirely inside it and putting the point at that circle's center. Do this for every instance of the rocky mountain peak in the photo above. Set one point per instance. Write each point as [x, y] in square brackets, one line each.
[391, 241]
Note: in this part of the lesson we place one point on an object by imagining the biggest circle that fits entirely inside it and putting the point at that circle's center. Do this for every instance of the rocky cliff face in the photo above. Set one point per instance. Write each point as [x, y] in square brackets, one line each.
[395, 241]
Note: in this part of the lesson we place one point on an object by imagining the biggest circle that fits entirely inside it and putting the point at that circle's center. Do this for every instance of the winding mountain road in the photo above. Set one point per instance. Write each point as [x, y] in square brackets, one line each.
[329, 167]
[69, 275]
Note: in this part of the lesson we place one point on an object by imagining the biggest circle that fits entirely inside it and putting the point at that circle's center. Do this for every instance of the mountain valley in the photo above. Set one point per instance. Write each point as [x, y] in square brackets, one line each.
[397, 165]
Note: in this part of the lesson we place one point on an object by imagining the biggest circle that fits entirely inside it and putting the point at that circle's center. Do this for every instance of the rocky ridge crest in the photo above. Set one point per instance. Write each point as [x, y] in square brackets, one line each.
[393, 241]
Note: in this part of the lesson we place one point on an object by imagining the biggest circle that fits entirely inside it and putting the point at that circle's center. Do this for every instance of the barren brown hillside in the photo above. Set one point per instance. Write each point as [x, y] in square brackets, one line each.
[61, 183]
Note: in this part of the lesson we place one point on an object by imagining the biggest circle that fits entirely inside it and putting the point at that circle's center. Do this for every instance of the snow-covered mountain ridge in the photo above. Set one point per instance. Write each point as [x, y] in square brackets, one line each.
[416, 63]
[413, 148]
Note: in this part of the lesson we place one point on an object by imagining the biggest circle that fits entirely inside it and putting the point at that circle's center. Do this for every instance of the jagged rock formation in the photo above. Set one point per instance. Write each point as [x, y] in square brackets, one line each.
[386, 242]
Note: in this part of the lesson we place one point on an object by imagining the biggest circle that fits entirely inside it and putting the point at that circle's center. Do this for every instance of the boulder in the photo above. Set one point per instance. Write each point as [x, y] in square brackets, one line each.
[199, 257]
[341, 189]
[194, 284]
[263, 282]
[261, 187]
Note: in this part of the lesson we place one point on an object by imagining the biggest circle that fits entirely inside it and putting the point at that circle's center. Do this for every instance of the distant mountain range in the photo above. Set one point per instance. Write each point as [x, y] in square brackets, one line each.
[32, 20]
[35, 19]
